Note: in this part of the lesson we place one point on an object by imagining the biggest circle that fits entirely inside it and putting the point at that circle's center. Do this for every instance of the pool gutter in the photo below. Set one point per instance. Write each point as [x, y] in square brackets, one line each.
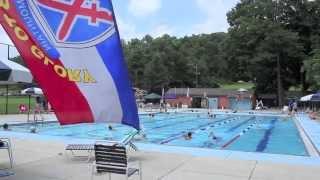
[308, 143]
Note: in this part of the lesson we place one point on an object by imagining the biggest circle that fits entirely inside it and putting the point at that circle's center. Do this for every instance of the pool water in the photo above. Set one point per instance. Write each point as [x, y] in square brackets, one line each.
[265, 134]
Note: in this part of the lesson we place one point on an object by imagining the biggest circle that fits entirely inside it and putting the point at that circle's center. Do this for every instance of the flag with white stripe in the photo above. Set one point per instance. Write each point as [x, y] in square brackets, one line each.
[73, 50]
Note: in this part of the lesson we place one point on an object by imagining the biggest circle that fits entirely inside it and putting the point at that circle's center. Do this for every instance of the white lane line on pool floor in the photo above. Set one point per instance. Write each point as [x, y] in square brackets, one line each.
[232, 140]
[208, 125]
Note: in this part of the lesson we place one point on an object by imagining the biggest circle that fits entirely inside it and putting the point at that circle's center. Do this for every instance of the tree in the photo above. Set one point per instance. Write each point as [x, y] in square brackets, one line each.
[313, 70]
[169, 61]
[258, 44]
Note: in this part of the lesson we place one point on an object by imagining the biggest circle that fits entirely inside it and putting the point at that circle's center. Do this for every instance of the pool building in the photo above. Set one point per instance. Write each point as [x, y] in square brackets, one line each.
[212, 98]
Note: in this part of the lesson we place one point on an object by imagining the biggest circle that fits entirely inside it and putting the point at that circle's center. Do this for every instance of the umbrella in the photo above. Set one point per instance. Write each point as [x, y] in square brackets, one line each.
[31, 91]
[306, 98]
[311, 97]
[242, 90]
[13, 73]
[315, 97]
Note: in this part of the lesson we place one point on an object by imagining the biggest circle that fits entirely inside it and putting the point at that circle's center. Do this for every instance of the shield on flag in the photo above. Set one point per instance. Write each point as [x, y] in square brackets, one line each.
[73, 49]
[74, 23]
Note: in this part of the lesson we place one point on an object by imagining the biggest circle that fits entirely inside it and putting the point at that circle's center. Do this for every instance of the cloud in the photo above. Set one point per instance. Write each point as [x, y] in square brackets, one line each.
[3, 48]
[141, 8]
[4, 37]
[216, 20]
[127, 30]
[161, 29]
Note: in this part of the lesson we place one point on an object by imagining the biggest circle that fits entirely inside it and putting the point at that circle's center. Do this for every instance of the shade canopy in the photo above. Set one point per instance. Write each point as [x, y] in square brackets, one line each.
[152, 96]
[315, 97]
[32, 91]
[13, 73]
[311, 97]
[306, 98]
[242, 90]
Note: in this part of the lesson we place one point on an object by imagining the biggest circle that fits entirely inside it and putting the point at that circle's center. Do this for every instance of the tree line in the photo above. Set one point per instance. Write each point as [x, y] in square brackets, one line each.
[274, 44]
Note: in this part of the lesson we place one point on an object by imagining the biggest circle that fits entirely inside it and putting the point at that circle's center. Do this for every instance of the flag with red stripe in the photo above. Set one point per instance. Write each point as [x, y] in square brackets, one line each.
[73, 50]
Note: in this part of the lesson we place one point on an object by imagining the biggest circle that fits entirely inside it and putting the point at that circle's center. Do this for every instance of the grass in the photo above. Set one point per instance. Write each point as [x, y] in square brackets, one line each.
[238, 85]
[14, 102]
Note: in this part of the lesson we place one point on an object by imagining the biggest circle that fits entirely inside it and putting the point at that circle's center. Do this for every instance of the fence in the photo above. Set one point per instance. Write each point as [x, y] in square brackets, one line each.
[14, 102]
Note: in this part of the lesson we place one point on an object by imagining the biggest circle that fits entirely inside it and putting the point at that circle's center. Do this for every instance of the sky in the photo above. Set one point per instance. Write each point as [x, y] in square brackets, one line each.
[136, 18]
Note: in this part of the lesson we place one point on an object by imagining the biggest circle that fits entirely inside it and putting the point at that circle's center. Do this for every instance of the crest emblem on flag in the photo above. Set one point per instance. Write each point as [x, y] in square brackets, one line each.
[74, 23]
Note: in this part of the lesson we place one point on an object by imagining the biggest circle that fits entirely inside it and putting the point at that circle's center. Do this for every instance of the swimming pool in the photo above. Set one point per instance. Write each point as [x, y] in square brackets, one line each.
[250, 133]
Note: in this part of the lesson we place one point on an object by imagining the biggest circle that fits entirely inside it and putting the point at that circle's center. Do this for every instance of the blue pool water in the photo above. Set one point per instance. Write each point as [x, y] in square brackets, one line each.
[249, 133]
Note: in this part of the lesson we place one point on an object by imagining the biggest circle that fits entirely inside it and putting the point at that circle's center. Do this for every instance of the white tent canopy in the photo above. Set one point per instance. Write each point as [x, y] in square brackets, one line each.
[13, 73]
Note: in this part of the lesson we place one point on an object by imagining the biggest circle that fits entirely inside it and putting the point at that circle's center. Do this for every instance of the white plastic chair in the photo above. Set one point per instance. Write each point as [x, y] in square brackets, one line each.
[7, 146]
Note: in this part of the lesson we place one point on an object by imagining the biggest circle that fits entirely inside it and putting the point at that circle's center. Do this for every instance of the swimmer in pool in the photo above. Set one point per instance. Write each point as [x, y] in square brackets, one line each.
[214, 137]
[188, 136]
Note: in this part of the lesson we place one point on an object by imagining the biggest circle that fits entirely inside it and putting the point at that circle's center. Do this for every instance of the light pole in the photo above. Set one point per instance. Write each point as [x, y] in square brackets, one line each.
[197, 73]
[8, 50]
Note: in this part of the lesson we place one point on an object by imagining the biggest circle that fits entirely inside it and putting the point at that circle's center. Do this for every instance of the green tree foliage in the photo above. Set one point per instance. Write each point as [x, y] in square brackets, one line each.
[267, 43]
[263, 31]
[170, 62]
[313, 70]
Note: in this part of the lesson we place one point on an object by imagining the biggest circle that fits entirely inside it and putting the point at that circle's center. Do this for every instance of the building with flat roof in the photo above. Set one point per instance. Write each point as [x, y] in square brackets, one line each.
[213, 98]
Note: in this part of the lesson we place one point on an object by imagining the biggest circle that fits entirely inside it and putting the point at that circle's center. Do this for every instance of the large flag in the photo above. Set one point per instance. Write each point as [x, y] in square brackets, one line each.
[73, 50]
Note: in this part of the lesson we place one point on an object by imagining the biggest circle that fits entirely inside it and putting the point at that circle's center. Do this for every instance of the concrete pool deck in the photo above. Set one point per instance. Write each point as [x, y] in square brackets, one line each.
[46, 160]
[40, 157]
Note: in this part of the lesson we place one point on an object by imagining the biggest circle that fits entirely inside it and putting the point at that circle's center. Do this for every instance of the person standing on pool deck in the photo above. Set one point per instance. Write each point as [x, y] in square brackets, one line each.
[290, 105]
[295, 107]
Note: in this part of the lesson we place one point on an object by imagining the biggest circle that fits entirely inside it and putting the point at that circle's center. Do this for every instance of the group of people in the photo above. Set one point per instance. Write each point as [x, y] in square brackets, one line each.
[293, 108]
[151, 115]
[5, 127]
[188, 136]
[211, 116]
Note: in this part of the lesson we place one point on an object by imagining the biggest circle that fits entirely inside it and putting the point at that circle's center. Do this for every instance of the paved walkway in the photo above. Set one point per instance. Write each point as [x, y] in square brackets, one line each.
[46, 160]
[23, 118]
